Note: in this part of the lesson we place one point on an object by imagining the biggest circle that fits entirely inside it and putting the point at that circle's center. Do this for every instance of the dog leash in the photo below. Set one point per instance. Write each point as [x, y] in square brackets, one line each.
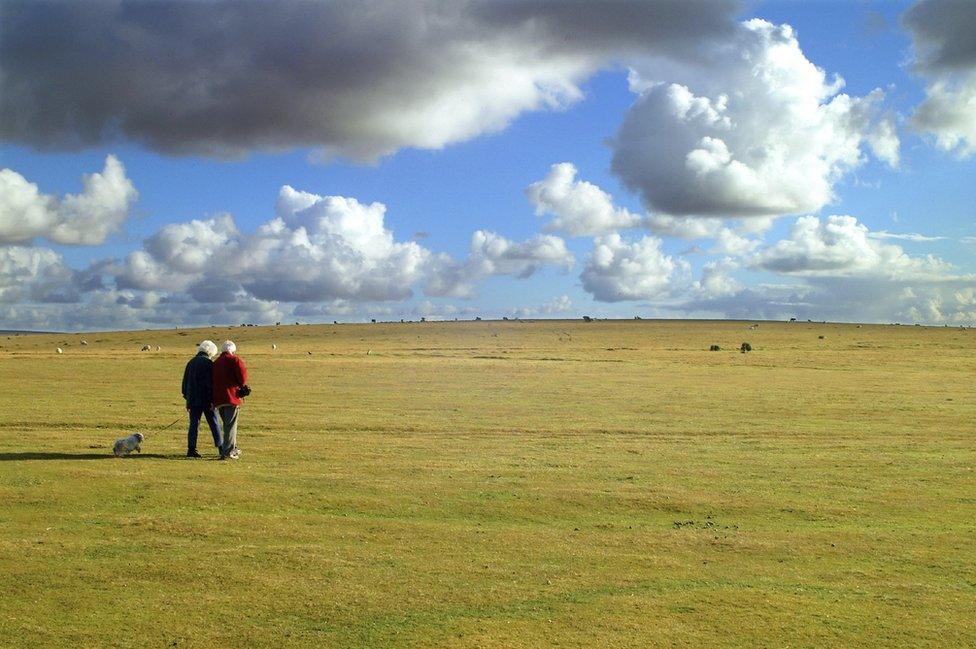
[173, 422]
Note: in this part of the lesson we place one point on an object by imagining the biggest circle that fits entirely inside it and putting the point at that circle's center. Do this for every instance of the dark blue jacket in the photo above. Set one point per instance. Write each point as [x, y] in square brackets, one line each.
[198, 382]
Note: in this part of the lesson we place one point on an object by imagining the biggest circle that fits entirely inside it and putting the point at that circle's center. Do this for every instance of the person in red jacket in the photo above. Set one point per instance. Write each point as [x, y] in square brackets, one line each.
[229, 376]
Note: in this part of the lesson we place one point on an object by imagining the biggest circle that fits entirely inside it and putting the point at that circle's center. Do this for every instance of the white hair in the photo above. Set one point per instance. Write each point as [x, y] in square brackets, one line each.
[208, 347]
[229, 347]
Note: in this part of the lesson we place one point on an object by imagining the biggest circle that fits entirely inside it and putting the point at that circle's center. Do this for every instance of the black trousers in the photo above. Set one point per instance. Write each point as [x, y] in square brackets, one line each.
[191, 434]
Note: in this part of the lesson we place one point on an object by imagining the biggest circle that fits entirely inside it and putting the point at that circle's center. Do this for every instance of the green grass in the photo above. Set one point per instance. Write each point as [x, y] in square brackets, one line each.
[497, 484]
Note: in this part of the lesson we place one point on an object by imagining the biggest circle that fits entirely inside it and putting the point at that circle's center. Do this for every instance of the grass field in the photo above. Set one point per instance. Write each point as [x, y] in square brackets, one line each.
[497, 484]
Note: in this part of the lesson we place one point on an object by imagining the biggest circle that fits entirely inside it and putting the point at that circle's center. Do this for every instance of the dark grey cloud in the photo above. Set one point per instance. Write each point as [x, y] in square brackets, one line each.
[945, 52]
[944, 33]
[675, 27]
[360, 79]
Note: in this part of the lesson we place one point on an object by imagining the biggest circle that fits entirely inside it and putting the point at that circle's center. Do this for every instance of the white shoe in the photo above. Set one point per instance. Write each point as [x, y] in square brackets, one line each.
[235, 454]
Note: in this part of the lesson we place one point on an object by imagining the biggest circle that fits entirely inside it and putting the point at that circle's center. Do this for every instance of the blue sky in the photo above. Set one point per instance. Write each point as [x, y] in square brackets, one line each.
[856, 203]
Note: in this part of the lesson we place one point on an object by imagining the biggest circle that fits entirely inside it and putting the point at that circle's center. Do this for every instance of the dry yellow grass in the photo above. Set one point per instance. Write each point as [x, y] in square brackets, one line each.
[498, 484]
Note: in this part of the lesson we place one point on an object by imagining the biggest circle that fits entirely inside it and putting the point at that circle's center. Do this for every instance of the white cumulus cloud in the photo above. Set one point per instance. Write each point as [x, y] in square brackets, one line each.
[949, 114]
[849, 299]
[83, 219]
[729, 242]
[560, 305]
[839, 270]
[492, 254]
[578, 207]
[316, 248]
[140, 270]
[684, 227]
[188, 247]
[35, 275]
[618, 270]
[757, 131]
[326, 247]
[840, 246]
[716, 280]
[329, 254]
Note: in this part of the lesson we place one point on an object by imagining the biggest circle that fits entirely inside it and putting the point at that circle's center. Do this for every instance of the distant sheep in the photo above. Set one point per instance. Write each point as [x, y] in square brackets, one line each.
[745, 347]
[146, 348]
[84, 342]
[714, 348]
[822, 337]
[274, 347]
[158, 348]
[60, 351]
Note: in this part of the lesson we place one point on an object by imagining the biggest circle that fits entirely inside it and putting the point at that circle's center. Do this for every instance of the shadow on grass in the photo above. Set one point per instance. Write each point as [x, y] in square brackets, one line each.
[43, 455]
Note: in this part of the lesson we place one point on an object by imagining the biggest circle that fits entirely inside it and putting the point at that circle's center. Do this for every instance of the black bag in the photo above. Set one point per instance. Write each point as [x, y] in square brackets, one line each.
[243, 391]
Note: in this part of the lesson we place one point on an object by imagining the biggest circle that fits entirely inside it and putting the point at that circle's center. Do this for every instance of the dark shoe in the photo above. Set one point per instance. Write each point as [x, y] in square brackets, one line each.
[193, 453]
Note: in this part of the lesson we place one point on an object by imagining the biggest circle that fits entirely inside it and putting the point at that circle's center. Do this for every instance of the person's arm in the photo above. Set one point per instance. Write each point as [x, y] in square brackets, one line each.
[241, 371]
[208, 383]
[186, 378]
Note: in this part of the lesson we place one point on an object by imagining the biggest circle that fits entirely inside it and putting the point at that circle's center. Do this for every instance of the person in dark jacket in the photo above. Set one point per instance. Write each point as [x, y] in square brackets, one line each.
[229, 376]
[198, 392]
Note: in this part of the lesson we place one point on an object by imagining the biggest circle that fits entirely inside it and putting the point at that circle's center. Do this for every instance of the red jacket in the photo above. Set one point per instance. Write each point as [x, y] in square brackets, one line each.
[229, 374]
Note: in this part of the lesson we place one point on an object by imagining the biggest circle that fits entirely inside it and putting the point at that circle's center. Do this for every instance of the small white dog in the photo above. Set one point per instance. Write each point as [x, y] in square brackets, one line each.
[128, 444]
